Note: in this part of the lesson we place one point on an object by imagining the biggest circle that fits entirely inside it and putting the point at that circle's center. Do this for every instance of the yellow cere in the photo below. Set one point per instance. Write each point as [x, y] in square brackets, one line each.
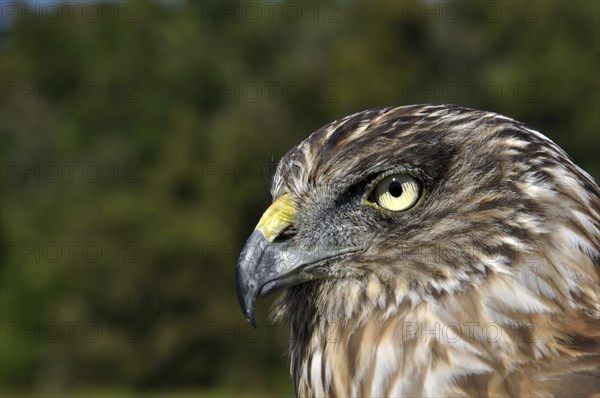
[397, 192]
[277, 217]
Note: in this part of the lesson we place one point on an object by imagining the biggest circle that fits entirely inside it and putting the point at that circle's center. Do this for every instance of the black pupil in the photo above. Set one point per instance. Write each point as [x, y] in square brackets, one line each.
[395, 189]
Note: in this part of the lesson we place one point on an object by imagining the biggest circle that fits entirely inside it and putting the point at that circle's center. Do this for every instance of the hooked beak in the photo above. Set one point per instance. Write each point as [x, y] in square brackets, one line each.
[266, 266]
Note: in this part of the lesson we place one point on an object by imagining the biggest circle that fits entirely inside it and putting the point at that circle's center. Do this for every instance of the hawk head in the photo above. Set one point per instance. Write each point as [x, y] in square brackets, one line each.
[431, 250]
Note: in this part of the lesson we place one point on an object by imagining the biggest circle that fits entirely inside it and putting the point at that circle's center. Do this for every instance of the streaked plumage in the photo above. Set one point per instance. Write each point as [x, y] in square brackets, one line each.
[487, 286]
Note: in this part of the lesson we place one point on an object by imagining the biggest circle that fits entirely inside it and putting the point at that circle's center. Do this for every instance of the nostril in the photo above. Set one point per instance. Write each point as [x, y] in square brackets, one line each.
[286, 234]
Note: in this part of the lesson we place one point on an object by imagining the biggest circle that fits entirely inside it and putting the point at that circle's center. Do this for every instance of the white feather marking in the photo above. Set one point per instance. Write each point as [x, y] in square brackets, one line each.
[543, 137]
[530, 221]
[351, 299]
[511, 295]
[359, 129]
[502, 117]
[585, 222]
[539, 190]
[449, 286]
[386, 363]
[565, 178]
[513, 142]
[304, 370]
[500, 264]
[512, 152]
[576, 241]
[315, 374]
[440, 377]
[537, 284]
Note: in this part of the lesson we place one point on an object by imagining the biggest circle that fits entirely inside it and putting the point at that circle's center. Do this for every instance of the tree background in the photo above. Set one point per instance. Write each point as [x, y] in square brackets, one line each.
[138, 139]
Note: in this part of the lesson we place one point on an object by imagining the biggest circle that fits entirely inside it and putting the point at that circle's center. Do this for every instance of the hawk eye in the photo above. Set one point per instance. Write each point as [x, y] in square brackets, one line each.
[396, 192]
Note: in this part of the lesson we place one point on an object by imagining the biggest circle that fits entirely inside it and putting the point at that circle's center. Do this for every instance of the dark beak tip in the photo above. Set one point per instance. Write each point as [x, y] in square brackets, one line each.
[246, 300]
[248, 311]
[249, 274]
[250, 318]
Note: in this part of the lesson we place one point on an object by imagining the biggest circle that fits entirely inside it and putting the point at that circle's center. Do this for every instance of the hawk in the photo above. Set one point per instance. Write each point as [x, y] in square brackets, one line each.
[431, 250]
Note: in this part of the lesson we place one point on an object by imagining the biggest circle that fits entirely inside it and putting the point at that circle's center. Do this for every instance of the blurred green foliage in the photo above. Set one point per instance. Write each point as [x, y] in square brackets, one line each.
[137, 142]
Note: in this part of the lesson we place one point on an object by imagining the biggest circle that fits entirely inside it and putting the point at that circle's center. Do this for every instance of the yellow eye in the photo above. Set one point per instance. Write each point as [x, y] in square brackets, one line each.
[396, 192]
